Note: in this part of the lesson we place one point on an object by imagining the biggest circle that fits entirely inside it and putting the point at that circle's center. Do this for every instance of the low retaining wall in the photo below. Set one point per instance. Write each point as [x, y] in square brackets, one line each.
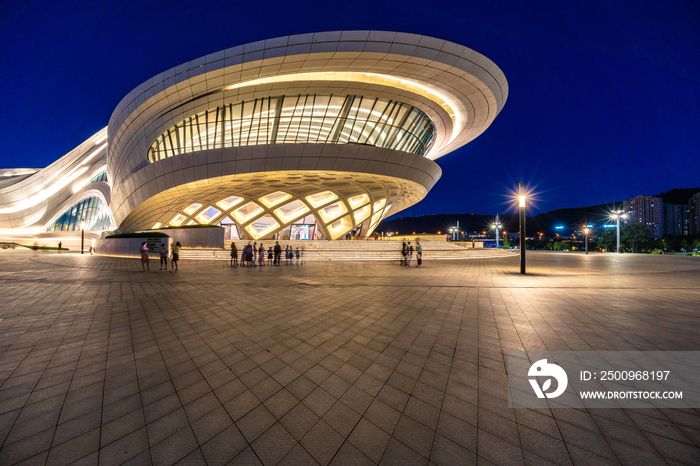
[196, 237]
[187, 237]
[130, 246]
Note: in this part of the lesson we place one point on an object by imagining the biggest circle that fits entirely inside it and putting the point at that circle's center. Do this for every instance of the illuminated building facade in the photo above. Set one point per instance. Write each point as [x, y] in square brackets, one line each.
[306, 136]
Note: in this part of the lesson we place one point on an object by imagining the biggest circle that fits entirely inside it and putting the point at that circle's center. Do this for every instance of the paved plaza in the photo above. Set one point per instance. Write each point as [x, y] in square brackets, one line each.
[347, 363]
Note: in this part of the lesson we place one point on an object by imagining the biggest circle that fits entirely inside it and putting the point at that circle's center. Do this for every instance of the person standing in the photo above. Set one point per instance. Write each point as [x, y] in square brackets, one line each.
[269, 255]
[261, 255]
[145, 260]
[278, 252]
[410, 255]
[255, 254]
[234, 254]
[298, 255]
[176, 257]
[419, 254]
[244, 252]
[163, 256]
[404, 253]
[59, 247]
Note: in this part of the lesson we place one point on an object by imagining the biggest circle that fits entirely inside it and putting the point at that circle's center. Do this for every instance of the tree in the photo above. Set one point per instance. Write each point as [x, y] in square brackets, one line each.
[561, 246]
[667, 244]
[696, 244]
[636, 236]
[506, 242]
[608, 240]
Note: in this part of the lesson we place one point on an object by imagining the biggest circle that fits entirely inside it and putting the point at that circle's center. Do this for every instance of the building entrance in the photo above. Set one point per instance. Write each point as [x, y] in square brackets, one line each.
[302, 231]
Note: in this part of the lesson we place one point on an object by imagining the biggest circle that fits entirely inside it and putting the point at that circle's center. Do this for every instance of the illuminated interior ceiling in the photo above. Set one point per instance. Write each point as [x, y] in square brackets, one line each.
[268, 203]
[449, 103]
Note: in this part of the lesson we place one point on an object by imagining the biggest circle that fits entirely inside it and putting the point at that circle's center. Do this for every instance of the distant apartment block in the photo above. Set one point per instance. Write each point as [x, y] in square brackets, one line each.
[694, 214]
[660, 218]
[676, 219]
[647, 211]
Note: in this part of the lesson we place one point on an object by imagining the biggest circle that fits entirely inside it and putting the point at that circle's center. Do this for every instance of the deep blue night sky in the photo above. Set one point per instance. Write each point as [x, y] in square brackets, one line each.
[604, 100]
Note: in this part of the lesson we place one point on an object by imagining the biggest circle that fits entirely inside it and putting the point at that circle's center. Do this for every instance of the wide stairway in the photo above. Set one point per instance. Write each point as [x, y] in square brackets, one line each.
[356, 250]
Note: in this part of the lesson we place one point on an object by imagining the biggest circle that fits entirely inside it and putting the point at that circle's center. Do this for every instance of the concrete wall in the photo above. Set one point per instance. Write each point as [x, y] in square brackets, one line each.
[196, 237]
[129, 246]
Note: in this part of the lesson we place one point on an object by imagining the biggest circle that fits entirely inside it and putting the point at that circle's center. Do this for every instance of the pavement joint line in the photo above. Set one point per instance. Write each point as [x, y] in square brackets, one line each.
[302, 281]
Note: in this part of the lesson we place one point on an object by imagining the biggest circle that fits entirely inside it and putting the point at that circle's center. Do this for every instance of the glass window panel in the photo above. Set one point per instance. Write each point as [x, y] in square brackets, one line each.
[189, 210]
[208, 215]
[354, 107]
[299, 119]
[102, 176]
[91, 210]
[365, 108]
[229, 202]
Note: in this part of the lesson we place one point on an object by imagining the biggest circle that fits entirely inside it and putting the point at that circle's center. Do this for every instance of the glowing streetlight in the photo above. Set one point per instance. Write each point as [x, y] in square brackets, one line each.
[82, 235]
[521, 204]
[617, 215]
[453, 230]
[585, 230]
[496, 226]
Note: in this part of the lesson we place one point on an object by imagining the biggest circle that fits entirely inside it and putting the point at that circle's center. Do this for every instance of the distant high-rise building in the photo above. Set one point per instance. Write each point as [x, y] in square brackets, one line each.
[676, 219]
[687, 219]
[694, 214]
[647, 211]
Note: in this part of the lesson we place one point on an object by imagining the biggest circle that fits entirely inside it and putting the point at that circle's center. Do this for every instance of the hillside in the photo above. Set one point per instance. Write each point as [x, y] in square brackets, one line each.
[678, 196]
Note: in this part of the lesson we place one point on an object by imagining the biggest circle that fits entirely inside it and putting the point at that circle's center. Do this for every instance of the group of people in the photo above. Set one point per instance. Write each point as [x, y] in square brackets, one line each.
[164, 253]
[253, 255]
[409, 259]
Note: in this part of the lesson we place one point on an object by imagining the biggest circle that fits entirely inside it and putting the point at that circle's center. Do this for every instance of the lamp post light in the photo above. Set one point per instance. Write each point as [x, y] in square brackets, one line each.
[82, 236]
[496, 226]
[585, 230]
[521, 205]
[617, 215]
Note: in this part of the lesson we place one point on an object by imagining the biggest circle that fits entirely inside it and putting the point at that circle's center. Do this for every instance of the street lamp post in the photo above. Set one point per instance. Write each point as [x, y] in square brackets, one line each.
[496, 226]
[82, 236]
[521, 204]
[617, 215]
[585, 230]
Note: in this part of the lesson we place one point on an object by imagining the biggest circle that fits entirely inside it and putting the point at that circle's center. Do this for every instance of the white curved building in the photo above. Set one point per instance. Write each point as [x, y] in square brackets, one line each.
[306, 136]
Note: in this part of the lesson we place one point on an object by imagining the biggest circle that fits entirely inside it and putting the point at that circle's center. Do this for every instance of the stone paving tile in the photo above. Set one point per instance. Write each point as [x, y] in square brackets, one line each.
[373, 364]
